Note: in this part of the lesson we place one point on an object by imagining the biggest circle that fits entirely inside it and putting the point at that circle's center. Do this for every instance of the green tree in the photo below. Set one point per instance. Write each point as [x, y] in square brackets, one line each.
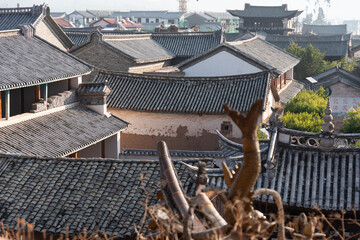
[304, 112]
[351, 124]
[308, 122]
[312, 61]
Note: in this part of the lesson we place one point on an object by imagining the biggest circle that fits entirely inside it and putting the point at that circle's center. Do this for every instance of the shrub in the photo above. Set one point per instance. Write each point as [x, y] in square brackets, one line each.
[260, 134]
[304, 112]
[303, 121]
[308, 101]
[351, 124]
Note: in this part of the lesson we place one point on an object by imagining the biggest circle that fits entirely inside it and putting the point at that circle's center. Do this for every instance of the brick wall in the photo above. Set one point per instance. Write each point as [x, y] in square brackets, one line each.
[343, 90]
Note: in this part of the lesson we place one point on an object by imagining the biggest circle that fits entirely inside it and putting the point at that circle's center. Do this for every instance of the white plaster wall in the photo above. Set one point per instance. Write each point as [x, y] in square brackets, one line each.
[112, 146]
[166, 124]
[101, 109]
[221, 64]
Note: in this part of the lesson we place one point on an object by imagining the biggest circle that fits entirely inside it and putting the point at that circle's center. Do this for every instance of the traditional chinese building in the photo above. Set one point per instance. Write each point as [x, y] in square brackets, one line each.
[45, 109]
[334, 47]
[136, 53]
[270, 19]
[343, 89]
[38, 17]
[184, 111]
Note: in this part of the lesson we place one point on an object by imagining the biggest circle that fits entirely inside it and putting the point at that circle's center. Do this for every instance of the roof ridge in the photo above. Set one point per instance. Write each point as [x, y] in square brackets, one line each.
[39, 158]
[215, 79]
[94, 159]
[16, 10]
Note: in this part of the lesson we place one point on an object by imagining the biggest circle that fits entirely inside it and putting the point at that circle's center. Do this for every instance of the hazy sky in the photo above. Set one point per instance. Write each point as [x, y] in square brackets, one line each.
[339, 9]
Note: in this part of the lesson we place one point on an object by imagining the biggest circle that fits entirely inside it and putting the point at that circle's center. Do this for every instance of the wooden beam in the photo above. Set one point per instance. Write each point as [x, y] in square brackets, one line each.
[74, 155]
[37, 93]
[7, 104]
[284, 78]
[280, 82]
[103, 148]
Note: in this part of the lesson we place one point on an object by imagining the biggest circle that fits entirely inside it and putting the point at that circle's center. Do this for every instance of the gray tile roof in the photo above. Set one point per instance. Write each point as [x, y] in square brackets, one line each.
[290, 91]
[195, 95]
[83, 13]
[139, 48]
[221, 15]
[81, 35]
[58, 134]
[266, 53]
[100, 13]
[203, 15]
[173, 153]
[30, 61]
[12, 18]
[140, 14]
[104, 194]
[336, 45]
[335, 75]
[305, 177]
[256, 50]
[324, 29]
[264, 12]
[92, 87]
[57, 14]
[188, 44]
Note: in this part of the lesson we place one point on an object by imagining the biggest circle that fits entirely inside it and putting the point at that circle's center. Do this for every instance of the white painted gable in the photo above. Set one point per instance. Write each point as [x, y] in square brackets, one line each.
[221, 64]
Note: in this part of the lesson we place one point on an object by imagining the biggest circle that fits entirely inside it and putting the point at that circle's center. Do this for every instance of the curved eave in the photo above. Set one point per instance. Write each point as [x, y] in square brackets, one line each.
[42, 81]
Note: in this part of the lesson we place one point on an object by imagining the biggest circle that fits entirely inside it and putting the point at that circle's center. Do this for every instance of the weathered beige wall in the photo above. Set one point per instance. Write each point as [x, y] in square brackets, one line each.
[342, 90]
[44, 32]
[180, 131]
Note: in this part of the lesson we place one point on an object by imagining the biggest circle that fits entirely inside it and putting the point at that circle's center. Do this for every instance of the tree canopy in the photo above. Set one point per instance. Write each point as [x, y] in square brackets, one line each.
[312, 61]
[351, 124]
[304, 112]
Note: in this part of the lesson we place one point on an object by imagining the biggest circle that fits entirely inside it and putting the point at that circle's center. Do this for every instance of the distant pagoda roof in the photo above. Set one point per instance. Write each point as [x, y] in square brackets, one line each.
[265, 12]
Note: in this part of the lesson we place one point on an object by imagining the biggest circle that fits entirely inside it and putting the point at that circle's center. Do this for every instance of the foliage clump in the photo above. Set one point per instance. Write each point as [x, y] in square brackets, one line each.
[305, 111]
[312, 61]
[260, 134]
[351, 124]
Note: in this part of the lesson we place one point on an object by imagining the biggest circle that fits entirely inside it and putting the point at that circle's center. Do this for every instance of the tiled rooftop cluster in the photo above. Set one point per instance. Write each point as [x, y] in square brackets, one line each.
[94, 194]
[40, 62]
[188, 44]
[58, 134]
[12, 18]
[194, 95]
